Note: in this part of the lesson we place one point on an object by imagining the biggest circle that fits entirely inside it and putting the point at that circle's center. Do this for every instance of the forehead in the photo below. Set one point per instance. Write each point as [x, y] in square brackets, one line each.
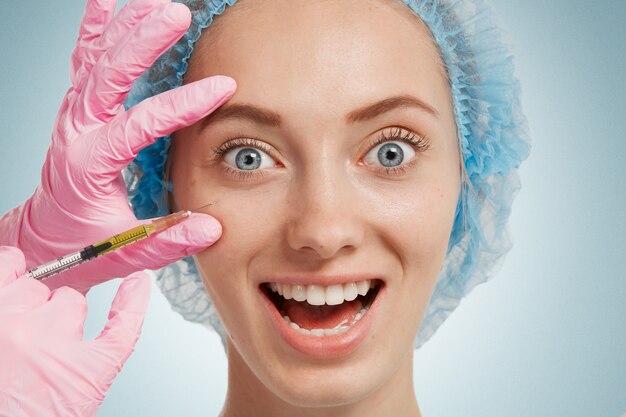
[340, 52]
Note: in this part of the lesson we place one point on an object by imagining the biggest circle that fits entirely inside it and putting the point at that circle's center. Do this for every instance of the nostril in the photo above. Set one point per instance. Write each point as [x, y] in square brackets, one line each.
[325, 233]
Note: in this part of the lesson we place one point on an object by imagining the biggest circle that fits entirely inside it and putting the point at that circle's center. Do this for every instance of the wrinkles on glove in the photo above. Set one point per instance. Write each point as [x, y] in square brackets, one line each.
[47, 367]
[82, 198]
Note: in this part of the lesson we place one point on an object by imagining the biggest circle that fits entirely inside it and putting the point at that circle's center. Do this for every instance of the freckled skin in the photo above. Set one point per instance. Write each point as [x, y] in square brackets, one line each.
[321, 210]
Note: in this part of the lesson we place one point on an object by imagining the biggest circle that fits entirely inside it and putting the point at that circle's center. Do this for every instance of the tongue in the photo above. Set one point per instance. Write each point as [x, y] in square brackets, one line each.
[310, 317]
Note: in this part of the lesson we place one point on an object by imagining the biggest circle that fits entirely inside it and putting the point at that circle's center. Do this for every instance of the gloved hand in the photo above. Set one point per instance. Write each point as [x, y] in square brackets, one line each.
[46, 369]
[82, 198]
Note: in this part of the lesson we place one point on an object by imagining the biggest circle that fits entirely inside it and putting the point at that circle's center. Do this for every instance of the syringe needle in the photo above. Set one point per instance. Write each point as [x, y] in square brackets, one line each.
[206, 205]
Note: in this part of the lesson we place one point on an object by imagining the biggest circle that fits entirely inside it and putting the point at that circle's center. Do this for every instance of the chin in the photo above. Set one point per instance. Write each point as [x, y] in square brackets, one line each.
[326, 386]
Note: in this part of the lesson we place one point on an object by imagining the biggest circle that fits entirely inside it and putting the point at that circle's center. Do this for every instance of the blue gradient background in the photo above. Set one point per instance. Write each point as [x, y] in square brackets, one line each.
[545, 338]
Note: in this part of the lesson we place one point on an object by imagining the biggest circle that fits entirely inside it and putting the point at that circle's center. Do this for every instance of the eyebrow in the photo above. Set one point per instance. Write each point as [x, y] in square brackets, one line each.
[374, 110]
[261, 116]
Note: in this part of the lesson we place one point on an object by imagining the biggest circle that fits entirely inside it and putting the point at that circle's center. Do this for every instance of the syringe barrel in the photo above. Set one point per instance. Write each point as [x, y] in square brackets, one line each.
[118, 241]
[58, 265]
[123, 239]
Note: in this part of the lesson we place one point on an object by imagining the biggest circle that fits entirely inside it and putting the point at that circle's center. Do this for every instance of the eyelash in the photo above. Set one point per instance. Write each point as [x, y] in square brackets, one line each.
[420, 143]
[239, 142]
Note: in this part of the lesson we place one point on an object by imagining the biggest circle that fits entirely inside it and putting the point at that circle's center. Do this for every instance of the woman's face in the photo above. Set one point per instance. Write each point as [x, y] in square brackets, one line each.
[335, 162]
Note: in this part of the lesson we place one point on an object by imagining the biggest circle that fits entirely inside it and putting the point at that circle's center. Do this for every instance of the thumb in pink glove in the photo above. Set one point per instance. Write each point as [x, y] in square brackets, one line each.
[82, 198]
[46, 369]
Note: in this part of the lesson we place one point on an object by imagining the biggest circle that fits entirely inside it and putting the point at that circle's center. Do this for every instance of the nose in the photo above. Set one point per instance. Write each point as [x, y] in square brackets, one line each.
[325, 218]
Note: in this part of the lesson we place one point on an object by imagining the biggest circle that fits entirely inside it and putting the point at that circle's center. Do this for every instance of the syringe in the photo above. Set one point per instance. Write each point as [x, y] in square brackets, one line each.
[109, 245]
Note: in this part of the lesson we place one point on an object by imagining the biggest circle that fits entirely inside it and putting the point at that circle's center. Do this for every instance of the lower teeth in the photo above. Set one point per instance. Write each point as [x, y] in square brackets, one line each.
[325, 332]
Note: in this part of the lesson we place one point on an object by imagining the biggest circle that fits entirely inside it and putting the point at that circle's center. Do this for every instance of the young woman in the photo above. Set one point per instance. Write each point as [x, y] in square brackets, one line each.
[362, 174]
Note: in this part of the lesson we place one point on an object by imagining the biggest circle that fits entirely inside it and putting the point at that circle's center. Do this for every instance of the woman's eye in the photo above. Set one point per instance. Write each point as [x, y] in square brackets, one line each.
[390, 154]
[248, 159]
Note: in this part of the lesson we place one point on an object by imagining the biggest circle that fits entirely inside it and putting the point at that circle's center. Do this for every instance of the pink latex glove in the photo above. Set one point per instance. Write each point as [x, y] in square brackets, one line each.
[82, 198]
[46, 369]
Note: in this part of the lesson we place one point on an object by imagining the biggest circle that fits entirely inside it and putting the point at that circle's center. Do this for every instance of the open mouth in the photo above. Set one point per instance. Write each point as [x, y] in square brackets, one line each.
[322, 311]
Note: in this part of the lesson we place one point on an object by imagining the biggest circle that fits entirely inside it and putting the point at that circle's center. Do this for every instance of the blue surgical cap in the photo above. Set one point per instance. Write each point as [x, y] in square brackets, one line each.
[492, 133]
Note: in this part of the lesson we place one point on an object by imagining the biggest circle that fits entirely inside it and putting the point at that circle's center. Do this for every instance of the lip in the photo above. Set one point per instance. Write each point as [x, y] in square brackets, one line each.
[324, 347]
[325, 281]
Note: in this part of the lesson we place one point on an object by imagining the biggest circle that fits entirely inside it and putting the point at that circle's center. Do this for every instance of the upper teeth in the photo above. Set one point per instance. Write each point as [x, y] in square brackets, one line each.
[319, 295]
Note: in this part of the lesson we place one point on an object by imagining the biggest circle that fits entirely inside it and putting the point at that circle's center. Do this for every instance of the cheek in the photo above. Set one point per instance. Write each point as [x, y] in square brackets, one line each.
[250, 222]
[250, 218]
[416, 222]
[416, 229]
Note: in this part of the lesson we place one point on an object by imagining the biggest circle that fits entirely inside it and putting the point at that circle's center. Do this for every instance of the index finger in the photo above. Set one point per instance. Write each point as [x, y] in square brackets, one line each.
[98, 14]
[155, 117]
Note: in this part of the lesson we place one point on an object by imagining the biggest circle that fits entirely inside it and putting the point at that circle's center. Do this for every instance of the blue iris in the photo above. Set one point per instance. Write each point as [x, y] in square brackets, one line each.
[390, 155]
[248, 159]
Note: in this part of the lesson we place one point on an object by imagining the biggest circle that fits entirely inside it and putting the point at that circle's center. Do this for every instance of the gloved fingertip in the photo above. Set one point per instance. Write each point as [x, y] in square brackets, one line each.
[12, 263]
[126, 317]
[178, 14]
[212, 91]
[205, 229]
[132, 295]
[225, 84]
[14, 254]
[68, 294]
[147, 5]
[139, 282]
[187, 238]
[103, 4]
